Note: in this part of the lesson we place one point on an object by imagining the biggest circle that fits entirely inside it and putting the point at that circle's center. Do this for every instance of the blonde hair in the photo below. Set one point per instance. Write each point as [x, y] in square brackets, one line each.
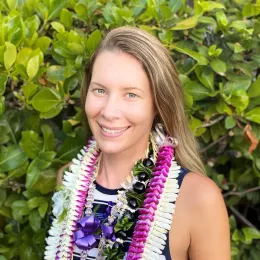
[165, 86]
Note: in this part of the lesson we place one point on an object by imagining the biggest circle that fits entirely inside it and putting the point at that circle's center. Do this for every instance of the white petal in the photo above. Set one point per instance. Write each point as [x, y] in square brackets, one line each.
[155, 244]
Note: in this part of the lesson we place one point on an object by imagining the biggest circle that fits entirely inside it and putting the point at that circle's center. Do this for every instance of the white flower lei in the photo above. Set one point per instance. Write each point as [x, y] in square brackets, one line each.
[60, 243]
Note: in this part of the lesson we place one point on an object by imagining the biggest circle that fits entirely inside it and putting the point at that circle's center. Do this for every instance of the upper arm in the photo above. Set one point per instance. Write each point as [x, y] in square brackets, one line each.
[209, 225]
[61, 172]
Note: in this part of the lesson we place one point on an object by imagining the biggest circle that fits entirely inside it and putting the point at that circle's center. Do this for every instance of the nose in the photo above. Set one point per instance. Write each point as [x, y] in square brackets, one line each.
[111, 109]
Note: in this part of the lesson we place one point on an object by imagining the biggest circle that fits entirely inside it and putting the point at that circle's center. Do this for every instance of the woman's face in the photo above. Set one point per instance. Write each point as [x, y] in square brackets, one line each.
[119, 103]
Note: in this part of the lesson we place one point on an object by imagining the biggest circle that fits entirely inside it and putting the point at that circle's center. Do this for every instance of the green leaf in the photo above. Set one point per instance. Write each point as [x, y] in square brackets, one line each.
[23, 56]
[76, 48]
[81, 9]
[253, 115]
[35, 220]
[32, 66]
[3, 80]
[196, 90]
[232, 222]
[55, 73]
[58, 27]
[26, 250]
[238, 25]
[62, 49]
[2, 50]
[11, 157]
[2, 105]
[230, 122]
[53, 112]
[205, 76]
[232, 86]
[29, 90]
[250, 10]
[70, 70]
[186, 24]
[48, 137]
[43, 43]
[38, 52]
[45, 100]
[74, 37]
[46, 181]
[221, 19]
[93, 40]
[195, 124]
[254, 90]
[219, 66]
[188, 100]
[67, 128]
[3, 195]
[11, 4]
[239, 100]
[70, 147]
[4, 249]
[175, 5]
[31, 143]
[47, 156]
[66, 18]
[16, 29]
[9, 55]
[35, 202]
[70, 84]
[238, 48]
[195, 55]
[22, 71]
[251, 233]
[20, 171]
[237, 236]
[43, 209]
[55, 8]
[213, 51]
[34, 171]
[210, 5]
[6, 212]
[19, 209]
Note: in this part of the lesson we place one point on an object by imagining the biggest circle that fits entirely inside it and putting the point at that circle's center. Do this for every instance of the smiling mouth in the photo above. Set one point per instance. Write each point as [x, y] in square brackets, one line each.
[113, 131]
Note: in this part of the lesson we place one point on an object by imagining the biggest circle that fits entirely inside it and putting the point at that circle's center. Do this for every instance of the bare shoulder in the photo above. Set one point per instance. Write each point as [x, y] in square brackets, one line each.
[200, 190]
[208, 218]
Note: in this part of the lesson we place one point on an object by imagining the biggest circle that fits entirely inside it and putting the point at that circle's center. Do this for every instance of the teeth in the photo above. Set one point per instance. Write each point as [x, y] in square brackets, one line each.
[110, 131]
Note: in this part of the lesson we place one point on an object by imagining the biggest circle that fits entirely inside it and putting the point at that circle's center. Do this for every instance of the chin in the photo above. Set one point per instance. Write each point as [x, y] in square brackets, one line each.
[110, 149]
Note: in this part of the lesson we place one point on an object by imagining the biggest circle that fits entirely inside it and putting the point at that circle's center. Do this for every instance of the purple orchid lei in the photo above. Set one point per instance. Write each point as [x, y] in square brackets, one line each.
[150, 205]
[155, 214]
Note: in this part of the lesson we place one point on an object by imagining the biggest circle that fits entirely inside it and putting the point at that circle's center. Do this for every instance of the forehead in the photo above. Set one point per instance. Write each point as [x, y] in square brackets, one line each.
[114, 68]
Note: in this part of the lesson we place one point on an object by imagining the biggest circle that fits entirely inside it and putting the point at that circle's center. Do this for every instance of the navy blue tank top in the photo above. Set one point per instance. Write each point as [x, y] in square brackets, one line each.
[101, 198]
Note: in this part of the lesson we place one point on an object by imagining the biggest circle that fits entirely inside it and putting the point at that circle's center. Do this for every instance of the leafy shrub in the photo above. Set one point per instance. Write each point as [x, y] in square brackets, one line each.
[44, 45]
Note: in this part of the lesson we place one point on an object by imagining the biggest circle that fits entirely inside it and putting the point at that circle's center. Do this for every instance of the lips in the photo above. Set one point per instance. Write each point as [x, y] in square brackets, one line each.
[113, 131]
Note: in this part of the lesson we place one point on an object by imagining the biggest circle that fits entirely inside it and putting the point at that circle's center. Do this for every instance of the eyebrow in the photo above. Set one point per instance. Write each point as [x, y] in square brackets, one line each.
[124, 88]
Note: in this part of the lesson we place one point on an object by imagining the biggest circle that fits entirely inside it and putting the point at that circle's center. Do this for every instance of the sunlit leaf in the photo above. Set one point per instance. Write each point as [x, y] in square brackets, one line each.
[9, 55]
[186, 24]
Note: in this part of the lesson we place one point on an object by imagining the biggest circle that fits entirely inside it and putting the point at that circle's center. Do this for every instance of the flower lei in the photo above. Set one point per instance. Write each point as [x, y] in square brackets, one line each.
[151, 190]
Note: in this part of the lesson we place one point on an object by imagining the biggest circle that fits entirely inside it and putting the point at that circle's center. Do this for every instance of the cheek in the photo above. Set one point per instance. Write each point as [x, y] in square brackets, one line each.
[90, 111]
[141, 114]
[91, 107]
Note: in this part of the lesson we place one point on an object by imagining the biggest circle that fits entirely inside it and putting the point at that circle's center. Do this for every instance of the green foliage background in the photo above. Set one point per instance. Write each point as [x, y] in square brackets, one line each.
[44, 45]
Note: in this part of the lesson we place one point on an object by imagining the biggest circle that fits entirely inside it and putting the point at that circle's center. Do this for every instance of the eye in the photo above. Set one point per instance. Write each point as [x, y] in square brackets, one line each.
[99, 91]
[132, 95]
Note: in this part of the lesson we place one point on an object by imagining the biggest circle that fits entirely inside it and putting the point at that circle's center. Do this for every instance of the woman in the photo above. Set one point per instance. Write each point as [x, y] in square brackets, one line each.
[134, 105]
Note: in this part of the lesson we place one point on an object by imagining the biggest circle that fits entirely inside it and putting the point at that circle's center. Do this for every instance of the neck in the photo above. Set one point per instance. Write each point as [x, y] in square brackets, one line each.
[114, 168]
